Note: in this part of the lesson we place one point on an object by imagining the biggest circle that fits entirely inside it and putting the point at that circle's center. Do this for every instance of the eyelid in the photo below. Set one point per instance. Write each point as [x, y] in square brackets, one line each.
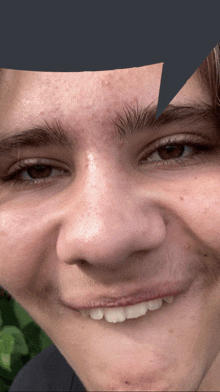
[25, 163]
[181, 138]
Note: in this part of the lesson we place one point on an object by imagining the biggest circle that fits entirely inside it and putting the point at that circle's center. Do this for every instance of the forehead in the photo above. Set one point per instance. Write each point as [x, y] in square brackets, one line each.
[27, 94]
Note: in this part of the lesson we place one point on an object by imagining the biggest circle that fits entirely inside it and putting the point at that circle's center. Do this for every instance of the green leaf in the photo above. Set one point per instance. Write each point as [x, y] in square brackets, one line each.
[6, 343]
[1, 320]
[20, 346]
[21, 314]
[5, 361]
[6, 348]
[44, 340]
[7, 312]
[32, 338]
[3, 386]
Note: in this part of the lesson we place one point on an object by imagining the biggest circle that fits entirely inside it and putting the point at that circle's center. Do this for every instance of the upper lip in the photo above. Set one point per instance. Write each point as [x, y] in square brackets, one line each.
[141, 295]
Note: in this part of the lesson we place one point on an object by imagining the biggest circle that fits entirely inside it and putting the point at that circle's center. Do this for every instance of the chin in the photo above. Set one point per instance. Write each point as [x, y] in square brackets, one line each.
[125, 381]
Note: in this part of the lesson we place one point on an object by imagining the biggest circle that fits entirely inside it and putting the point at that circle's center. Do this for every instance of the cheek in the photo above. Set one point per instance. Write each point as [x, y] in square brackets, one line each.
[194, 199]
[203, 210]
[22, 248]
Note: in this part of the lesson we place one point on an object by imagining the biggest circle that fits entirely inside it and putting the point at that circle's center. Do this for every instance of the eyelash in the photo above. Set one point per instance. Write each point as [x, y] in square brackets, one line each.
[24, 166]
[202, 147]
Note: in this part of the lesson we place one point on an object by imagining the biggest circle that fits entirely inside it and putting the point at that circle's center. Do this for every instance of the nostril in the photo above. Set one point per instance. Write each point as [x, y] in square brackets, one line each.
[82, 261]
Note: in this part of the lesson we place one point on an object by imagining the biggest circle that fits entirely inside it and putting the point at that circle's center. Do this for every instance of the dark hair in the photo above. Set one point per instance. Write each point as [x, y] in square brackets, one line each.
[210, 73]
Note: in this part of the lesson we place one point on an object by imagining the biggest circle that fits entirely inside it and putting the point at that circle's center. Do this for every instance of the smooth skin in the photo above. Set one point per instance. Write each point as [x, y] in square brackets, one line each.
[106, 222]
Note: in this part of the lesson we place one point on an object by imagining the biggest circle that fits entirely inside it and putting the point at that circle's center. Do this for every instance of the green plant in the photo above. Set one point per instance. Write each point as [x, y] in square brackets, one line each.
[21, 339]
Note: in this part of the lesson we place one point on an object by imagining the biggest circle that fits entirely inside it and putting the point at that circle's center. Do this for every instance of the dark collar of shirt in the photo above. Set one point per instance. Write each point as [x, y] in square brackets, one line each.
[48, 371]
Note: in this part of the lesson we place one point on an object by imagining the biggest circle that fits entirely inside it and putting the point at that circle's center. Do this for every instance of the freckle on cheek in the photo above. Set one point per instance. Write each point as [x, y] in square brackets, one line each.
[181, 198]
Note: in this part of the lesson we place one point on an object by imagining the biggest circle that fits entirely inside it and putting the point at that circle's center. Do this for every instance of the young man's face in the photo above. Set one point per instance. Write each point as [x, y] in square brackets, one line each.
[110, 214]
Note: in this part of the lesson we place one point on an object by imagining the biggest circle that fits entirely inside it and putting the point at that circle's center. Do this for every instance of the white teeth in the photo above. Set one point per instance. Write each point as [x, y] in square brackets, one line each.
[137, 310]
[155, 304]
[120, 314]
[114, 315]
[96, 313]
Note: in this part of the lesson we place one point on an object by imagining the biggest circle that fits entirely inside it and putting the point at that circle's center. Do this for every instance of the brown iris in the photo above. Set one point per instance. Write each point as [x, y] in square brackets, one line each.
[170, 152]
[39, 171]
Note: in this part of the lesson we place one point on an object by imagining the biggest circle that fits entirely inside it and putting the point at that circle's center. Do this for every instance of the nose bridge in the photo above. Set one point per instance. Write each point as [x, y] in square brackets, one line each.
[103, 221]
[101, 202]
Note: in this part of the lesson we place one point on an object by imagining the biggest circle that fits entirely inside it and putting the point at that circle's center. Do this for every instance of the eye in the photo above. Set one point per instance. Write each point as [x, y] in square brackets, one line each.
[33, 172]
[177, 150]
[171, 152]
[38, 172]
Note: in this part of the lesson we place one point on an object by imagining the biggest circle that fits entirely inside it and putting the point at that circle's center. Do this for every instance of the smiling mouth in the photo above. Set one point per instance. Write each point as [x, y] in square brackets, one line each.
[120, 314]
[131, 305]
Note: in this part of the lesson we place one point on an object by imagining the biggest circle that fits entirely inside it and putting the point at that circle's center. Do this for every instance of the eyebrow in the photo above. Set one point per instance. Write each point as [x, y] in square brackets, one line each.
[132, 119]
[40, 136]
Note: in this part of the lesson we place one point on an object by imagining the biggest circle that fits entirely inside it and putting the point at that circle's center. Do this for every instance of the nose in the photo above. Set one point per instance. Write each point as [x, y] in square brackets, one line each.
[106, 221]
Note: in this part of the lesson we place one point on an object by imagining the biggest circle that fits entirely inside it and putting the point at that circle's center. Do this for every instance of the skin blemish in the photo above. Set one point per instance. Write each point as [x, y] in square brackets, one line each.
[181, 198]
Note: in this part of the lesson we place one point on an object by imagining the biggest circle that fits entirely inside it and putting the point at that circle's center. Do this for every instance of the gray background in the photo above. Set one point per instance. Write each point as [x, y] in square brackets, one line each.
[93, 35]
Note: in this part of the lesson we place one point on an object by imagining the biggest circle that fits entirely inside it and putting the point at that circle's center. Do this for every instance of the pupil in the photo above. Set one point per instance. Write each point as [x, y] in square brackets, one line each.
[39, 171]
[170, 152]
